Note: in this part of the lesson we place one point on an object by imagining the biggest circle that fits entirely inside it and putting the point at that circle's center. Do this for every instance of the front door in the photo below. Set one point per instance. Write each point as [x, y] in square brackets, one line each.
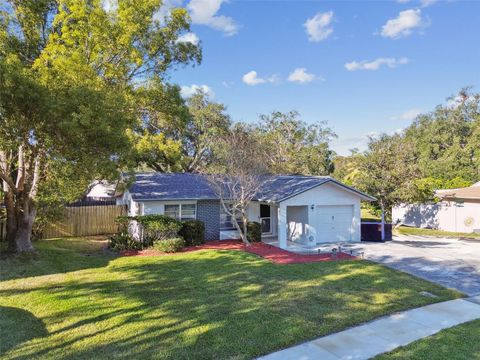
[265, 219]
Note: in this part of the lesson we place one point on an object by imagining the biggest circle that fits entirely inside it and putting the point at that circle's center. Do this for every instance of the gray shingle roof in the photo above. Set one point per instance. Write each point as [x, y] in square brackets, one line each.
[185, 186]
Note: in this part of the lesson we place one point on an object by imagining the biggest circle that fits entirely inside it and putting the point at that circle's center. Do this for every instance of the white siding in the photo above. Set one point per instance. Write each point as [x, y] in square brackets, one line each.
[327, 194]
[447, 216]
[158, 207]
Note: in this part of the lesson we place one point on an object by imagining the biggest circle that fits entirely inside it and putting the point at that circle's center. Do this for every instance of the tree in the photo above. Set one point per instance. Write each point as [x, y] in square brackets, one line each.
[440, 150]
[295, 146]
[347, 168]
[177, 135]
[238, 175]
[444, 139]
[387, 170]
[69, 70]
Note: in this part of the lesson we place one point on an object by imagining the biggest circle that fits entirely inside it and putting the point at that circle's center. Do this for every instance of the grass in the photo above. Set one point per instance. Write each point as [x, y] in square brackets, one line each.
[77, 301]
[405, 230]
[367, 215]
[457, 343]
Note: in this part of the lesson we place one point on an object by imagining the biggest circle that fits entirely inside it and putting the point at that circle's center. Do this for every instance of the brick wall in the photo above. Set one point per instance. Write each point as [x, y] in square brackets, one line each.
[208, 211]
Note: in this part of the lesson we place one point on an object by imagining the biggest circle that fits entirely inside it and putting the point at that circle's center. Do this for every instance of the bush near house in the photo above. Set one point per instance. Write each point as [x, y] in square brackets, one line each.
[157, 228]
[123, 241]
[169, 245]
[193, 231]
[254, 232]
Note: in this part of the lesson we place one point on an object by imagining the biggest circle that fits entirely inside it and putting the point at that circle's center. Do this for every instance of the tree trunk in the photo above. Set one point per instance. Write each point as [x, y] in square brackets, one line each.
[242, 232]
[245, 227]
[24, 215]
[11, 221]
[23, 237]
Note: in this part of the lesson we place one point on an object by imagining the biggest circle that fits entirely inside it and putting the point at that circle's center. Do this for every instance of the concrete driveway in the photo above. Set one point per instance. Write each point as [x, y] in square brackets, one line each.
[453, 263]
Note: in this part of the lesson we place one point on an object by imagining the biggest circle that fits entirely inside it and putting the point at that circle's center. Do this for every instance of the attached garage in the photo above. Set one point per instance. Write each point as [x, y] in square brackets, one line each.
[328, 212]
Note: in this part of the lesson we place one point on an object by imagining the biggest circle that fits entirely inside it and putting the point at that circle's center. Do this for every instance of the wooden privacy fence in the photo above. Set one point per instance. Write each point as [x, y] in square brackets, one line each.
[86, 220]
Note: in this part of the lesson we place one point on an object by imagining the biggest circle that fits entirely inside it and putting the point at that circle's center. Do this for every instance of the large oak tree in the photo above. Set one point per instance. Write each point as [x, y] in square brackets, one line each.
[69, 74]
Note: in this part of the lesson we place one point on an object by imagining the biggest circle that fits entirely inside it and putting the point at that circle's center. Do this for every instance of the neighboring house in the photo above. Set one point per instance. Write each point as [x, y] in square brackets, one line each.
[101, 190]
[303, 209]
[458, 210]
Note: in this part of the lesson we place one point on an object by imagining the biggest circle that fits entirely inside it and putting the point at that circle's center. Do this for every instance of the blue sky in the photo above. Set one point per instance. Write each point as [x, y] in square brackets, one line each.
[365, 67]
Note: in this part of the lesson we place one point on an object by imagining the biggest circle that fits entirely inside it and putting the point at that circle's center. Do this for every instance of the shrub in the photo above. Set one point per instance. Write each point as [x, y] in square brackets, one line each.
[169, 245]
[123, 241]
[254, 232]
[158, 228]
[193, 231]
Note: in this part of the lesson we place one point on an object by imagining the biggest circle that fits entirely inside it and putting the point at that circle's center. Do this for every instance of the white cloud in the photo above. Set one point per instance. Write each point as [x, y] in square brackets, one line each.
[319, 27]
[227, 84]
[189, 37]
[301, 75]
[375, 64]
[251, 78]
[165, 9]
[203, 12]
[425, 3]
[408, 115]
[403, 24]
[110, 5]
[187, 91]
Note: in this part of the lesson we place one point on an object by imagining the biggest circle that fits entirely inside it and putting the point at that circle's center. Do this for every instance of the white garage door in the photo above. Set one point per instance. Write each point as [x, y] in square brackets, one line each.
[334, 223]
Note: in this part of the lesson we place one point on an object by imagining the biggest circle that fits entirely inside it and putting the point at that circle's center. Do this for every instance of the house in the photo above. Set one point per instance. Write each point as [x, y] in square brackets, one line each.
[101, 190]
[458, 211]
[302, 209]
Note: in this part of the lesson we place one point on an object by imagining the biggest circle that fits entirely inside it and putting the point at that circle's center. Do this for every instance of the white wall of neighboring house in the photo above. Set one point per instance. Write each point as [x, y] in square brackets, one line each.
[446, 215]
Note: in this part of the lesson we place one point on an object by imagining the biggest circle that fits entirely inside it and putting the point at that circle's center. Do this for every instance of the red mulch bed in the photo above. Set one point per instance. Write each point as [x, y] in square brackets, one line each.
[266, 251]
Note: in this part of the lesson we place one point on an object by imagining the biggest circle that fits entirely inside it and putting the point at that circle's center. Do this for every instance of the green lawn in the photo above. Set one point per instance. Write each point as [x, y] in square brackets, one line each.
[405, 230]
[76, 301]
[367, 215]
[457, 343]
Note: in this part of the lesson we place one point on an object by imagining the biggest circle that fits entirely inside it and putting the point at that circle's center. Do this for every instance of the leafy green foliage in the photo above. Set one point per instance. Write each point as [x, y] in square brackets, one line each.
[193, 231]
[440, 150]
[173, 134]
[123, 241]
[254, 231]
[158, 227]
[169, 245]
[295, 146]
[69, 75]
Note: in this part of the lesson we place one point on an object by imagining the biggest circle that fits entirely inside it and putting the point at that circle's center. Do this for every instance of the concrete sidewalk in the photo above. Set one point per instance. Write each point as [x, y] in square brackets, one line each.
[384, 334]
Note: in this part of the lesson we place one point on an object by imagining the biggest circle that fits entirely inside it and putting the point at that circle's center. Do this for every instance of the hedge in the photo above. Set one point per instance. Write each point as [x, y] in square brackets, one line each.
[254, 232]
[169, 245]
[162, 227]
[193, 231]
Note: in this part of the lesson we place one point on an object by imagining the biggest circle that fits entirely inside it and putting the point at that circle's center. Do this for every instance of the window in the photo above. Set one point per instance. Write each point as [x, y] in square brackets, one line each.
[172, 211]
[188, 212]
[226, 222]
[181, 212]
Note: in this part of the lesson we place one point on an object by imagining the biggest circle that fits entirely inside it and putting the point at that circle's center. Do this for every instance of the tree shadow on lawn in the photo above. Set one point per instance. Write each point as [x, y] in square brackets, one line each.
[213, 304]
[55, 256]
[18, 326]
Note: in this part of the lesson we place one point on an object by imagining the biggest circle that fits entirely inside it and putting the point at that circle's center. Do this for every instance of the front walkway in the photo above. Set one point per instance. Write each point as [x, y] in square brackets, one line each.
[384, 334]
